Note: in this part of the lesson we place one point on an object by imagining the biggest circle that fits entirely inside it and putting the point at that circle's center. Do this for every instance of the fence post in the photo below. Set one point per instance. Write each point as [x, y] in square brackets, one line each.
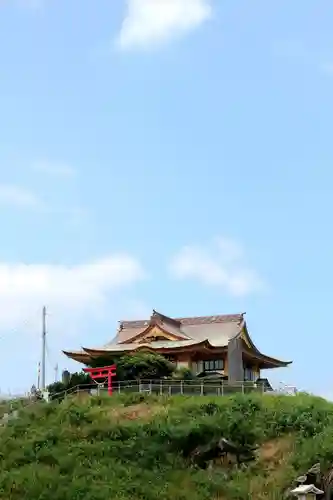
[161, 387]
[170, 389]
[222, 388]
[119, 387]
[182, 387]
[202, 389]
[150, 387]
[242, 387]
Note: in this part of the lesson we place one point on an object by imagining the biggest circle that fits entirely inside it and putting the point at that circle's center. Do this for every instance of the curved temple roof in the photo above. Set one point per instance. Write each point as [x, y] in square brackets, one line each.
[203, 332]
[221, 327]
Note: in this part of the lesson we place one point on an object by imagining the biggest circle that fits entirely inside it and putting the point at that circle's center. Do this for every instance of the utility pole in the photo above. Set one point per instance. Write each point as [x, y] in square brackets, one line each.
[38, 376]
[43, 350]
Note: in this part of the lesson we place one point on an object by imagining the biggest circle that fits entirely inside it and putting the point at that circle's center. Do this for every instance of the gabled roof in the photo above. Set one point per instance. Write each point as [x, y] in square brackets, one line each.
[168, 330]
[217, 329]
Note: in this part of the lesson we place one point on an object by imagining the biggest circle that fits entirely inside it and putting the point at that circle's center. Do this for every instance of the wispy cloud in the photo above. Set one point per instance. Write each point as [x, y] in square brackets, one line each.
[72, 293]
[81, 300]
[17, 196]
[21, 198]
[135, 309]
[221, 264]
[54, 169]
[152, 22]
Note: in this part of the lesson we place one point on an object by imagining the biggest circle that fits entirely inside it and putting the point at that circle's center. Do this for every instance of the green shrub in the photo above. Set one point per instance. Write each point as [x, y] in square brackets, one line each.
[98, 448]
[144, 365]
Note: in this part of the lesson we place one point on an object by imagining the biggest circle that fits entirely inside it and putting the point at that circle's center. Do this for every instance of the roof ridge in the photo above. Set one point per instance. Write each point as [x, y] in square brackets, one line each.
[226, 317]
[217, 318]
[165, 318]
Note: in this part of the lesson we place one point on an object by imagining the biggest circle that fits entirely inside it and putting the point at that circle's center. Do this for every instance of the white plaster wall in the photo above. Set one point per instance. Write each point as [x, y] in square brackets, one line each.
[197, 367]
[182, 364]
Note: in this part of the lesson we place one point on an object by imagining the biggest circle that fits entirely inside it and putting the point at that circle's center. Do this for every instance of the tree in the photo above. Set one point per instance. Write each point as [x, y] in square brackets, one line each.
[183, 374]
[75, 379]
[141, 365]
[144, 365]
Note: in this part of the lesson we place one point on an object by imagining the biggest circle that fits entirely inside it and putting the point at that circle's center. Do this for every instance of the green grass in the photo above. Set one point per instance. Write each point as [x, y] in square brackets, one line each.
[130, 447]
[8, 405]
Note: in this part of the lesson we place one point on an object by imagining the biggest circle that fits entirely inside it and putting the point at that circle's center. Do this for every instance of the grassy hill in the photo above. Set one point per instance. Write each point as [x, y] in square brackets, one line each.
[132, 447]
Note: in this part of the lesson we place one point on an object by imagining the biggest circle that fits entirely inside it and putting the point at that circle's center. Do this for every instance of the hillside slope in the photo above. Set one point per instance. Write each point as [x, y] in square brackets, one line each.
[123, 448]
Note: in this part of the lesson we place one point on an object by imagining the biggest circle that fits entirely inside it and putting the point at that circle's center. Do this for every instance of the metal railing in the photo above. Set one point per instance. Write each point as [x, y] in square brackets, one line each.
[186, 387]
[176, 387]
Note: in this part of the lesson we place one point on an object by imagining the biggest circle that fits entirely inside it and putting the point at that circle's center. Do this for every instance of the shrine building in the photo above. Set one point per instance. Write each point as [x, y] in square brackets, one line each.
[207, 345]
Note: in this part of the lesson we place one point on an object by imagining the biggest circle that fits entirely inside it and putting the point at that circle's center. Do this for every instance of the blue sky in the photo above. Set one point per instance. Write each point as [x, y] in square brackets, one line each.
[174, 155]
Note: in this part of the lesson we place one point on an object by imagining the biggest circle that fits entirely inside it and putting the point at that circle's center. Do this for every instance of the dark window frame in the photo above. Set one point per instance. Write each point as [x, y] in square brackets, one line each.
[213, 365]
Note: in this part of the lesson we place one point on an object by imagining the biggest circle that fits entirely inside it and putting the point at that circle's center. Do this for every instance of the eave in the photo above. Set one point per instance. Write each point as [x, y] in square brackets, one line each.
[255, 353]
[99, 353]
[80, 356]
[200, 345]
[265, 361]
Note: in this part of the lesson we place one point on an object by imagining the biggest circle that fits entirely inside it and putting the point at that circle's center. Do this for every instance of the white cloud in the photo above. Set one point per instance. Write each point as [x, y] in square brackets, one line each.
[71, 293]
[18, 196]
[54, 169]
[221, 264]
[135, 309]
[151, 22]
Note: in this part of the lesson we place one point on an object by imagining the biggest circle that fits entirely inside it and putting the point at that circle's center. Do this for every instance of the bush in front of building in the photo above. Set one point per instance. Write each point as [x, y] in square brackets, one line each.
[139, 365]
[183, 374]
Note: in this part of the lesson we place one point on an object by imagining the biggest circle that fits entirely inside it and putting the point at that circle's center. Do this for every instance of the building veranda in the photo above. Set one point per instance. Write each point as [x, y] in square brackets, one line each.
[218, 346]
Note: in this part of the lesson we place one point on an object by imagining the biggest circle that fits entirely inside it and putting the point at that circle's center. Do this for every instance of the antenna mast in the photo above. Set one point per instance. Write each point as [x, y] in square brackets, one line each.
[43, 350]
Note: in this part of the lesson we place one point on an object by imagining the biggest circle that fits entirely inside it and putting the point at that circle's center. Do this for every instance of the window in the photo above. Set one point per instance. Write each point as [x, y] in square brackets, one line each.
[249, 374]
[170, 358]
[213, 365]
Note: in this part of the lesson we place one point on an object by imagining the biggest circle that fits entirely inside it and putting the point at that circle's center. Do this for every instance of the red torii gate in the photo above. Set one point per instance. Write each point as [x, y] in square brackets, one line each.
[103, 372]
